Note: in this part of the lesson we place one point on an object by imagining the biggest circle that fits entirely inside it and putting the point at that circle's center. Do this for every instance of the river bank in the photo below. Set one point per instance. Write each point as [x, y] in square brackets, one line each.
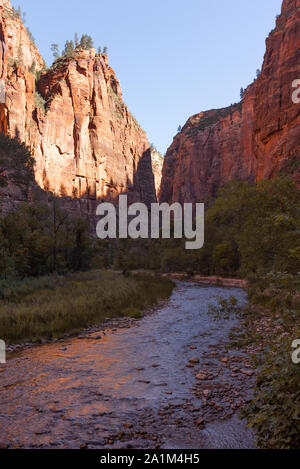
[54, 307]
[211, 280]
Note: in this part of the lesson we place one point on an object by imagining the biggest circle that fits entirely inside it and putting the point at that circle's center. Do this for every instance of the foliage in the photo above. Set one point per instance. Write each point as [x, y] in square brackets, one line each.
[37, 239]
[16, 162]
[69, 49]
[86, 42]
[250, 229]
[225, 309]
[275, 410]
[55, 50]
[40, 102]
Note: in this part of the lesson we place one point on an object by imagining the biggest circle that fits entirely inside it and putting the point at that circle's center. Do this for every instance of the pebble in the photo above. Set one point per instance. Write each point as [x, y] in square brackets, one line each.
[200, 422]
[201, 376]
[247, 372]
[194, 360]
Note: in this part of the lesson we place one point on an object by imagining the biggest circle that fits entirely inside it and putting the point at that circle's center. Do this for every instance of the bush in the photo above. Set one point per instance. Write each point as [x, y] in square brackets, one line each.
[40, 102]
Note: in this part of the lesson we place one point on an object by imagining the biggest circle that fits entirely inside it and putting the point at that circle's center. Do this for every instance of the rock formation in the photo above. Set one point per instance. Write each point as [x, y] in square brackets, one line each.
[255, 139]
[86, 144]
[157, 167]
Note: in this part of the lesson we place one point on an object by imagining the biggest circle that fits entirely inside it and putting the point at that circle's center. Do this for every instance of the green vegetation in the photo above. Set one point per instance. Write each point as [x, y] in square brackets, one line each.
[55, 50]
[16, 163]
[275, 411]
[250, 230]
[17, 13]
[52, 306]
[37, 239]
[40, 102]
[213, 117]
[85, 43]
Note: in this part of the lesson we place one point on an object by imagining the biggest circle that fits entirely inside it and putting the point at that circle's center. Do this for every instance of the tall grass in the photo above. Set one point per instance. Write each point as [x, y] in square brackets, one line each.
[50, 307]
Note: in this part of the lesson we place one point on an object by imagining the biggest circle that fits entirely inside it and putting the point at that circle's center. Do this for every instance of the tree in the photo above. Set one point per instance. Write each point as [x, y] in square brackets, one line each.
[33, 67]
[258, 72]
[242, 93]
[179, 129]
[20, 55]
[76, 40]
[37, 239]
[105, 50]
[99, 51]
[86, 42]
[89, 42]
[69, 48]
[17, 12]
[55, 50]
[16, 163]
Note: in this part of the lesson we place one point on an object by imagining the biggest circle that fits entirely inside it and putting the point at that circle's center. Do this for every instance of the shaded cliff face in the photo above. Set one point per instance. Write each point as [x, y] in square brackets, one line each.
[255, 139]
[85, 142]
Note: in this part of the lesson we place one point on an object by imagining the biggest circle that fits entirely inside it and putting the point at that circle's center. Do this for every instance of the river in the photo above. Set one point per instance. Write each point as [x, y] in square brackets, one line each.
[132, 385]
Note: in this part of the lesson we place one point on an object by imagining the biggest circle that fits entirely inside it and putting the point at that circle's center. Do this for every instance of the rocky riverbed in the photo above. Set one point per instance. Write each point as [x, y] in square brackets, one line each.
[166, 381]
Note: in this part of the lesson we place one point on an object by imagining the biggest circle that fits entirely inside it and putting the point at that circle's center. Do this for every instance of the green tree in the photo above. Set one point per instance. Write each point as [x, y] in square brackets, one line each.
[86, 42]
[16, 163]
[69, 49]
[55, 50]
[76, 40]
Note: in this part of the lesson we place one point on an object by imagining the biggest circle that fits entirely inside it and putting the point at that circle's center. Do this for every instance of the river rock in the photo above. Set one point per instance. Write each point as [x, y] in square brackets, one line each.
[247, 372]
[194, 360]
[201, 376]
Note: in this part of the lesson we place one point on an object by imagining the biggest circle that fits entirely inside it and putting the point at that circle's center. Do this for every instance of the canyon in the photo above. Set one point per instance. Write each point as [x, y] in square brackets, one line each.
[255, 139]
[88, 147]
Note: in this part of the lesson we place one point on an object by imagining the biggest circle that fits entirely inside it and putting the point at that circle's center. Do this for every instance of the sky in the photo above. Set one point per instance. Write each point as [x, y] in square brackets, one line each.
[174, 58]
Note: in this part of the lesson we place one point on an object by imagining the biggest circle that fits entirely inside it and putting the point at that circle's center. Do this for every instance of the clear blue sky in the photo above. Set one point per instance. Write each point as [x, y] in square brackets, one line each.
[174, 58]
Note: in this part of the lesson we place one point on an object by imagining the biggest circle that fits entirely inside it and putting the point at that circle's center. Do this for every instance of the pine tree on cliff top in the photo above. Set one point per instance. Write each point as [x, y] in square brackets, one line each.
[55, 50]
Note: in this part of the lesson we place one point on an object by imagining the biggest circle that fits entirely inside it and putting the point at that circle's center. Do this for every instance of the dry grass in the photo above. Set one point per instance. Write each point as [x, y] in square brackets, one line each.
[53, 306]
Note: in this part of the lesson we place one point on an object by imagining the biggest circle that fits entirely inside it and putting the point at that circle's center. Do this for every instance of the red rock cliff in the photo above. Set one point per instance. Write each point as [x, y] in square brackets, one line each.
[255, 139]
[85, 141]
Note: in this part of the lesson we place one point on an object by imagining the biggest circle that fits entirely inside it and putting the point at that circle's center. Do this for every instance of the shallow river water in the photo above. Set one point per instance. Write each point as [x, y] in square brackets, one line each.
[128, 387]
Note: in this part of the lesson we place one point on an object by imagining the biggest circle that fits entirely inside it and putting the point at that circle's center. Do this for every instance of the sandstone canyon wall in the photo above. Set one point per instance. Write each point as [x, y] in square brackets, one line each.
[157, 167]
[255, 139]
[86, 143]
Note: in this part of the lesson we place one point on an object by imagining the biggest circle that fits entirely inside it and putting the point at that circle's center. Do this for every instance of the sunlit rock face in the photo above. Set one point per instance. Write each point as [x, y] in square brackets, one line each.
[255, 139]
[85, 142]
[157, 167]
